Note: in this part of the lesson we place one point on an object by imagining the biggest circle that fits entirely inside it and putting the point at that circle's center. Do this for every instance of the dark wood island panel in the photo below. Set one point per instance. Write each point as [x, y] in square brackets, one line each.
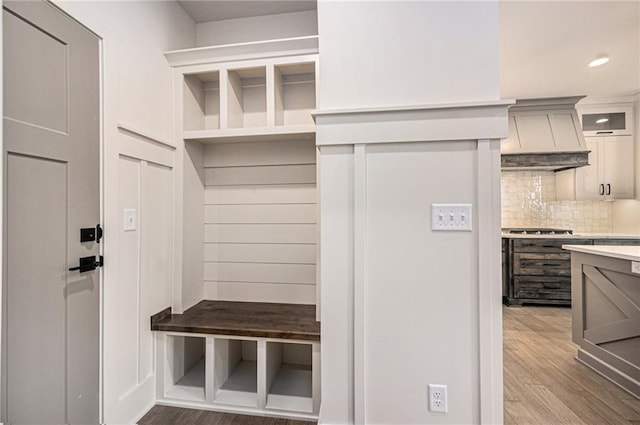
[263, 320]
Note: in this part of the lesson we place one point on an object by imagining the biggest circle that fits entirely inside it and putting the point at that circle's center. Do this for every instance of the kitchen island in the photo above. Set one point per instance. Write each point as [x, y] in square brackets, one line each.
[605, 295]
[536, 270]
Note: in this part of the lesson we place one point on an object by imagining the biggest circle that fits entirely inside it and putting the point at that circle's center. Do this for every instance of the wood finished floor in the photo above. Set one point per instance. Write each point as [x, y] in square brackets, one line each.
[544, 384]
[164, 415]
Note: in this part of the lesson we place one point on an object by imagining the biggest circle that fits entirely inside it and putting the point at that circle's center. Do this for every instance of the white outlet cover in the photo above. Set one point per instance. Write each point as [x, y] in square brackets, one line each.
[635, 267]
[130, 220]
[438, 398]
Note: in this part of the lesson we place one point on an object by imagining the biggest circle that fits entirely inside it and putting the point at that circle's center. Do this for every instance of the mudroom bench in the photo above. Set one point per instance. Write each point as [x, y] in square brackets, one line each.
[241, 357]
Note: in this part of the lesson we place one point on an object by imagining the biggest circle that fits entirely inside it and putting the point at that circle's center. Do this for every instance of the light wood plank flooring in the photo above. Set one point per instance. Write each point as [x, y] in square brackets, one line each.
[544, 384]
[164, 415]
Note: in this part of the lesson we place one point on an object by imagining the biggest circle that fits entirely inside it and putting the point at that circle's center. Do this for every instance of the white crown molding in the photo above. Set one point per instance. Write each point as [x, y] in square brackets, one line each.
[423, 123]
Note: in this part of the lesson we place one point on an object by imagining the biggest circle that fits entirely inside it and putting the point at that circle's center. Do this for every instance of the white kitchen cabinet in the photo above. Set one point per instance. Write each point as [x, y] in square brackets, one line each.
[609, 176]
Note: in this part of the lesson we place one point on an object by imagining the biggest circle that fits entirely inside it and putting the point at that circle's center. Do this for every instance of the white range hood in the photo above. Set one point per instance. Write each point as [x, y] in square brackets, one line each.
[544, 134]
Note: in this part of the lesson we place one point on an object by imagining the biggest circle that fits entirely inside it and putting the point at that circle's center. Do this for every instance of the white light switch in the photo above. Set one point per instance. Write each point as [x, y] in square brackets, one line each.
[452, 217]
[130, 220]
[635, 267]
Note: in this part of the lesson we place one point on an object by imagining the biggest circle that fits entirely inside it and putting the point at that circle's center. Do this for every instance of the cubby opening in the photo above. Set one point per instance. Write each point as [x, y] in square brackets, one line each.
[235, 380]
[247, 98]
[186, 361]
[295, 98]
[289, 377]
[201, 100]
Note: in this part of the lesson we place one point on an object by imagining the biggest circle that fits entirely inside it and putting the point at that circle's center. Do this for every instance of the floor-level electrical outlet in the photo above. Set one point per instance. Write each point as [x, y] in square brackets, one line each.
[438, 398]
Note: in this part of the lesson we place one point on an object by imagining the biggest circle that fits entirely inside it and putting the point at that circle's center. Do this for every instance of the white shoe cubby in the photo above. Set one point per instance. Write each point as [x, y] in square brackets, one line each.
[185, 363]
[237, 374]
[290, 376]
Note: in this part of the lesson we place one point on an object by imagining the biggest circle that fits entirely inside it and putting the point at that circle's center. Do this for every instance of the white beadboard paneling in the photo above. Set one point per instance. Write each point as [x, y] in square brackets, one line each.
[260, 253]
[260, 292]
[304, 274]
[261, 194]
[262, 153]
[283, 214]
[260, 233]
[279, 174]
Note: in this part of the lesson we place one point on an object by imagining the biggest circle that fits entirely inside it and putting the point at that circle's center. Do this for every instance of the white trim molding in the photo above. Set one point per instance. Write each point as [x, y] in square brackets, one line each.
[439, 122]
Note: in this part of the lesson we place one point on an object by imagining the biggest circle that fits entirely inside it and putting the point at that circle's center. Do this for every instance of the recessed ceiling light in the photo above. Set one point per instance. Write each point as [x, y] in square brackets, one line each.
[602, 120]
[600, 61]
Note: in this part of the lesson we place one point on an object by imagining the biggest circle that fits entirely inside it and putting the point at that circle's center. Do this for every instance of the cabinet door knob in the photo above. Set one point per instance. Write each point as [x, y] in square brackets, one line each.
[602, 189]
[608, 189]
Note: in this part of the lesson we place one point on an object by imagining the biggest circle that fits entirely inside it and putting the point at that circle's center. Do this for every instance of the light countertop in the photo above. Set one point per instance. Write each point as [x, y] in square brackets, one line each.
[625, 252]
[574, 236]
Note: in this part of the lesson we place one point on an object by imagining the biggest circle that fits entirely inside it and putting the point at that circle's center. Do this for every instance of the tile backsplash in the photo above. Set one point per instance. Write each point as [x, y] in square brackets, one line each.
[529, 200]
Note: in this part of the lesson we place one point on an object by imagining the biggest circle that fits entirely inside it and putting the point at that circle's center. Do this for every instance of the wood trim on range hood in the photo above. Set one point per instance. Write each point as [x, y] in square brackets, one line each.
[558, 161]
[544, 134]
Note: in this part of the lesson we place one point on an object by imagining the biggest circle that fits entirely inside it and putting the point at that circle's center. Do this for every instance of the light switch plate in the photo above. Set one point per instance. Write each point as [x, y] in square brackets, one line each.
[635, 267]
[451, 217]
[130, 220]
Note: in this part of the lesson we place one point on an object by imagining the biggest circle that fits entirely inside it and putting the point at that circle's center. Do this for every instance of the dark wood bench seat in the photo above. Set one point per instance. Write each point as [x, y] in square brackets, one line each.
[263, 320]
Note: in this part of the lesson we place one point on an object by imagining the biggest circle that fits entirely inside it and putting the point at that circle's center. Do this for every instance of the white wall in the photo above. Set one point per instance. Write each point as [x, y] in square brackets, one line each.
[407, 53]
[270, 27]
[138, 173]
[403, 306]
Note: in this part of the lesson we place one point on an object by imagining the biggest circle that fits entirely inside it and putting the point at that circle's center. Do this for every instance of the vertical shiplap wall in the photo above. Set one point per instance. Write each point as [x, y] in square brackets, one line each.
[260, 218]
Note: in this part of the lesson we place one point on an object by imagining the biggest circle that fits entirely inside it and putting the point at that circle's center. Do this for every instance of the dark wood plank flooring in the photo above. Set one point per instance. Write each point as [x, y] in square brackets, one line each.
[164, 415]
[545, 384]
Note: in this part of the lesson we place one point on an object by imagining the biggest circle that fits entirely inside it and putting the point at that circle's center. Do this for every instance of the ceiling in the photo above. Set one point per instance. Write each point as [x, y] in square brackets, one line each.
[545, 46]
[218, 10]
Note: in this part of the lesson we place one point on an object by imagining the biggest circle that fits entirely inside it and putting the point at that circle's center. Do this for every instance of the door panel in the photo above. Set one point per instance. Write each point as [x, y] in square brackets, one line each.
[39, 72]
[51, 153]
[37, 205]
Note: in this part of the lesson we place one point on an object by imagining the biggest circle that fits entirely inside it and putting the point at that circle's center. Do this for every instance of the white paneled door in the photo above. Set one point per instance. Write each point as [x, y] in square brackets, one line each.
[51, 156]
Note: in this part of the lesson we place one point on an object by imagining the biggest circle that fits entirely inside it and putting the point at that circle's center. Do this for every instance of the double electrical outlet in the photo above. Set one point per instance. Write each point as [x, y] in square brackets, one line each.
[438, 398]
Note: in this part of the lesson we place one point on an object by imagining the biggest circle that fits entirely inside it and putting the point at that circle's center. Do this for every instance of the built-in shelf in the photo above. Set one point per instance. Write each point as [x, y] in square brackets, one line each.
[186, 361]
[261, 134]
[236, 356]
[235, 373]
[295, 94]
[247, 98]
[244, 51]
[289, 377]
[241, 357]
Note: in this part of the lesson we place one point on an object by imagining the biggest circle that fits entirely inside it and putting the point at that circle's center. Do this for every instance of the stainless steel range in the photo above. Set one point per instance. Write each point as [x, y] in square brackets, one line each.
[537, 231]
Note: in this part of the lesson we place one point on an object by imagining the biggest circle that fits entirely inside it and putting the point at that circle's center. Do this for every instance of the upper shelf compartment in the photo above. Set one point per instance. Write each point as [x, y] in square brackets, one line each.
[295, 93]
[247, 92]
[247, 98]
